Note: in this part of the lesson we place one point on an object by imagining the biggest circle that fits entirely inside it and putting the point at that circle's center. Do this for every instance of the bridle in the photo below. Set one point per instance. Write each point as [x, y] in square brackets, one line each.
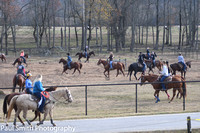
[57, 100]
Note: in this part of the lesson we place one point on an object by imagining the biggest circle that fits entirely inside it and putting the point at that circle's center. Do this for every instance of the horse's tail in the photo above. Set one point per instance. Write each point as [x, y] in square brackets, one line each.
[5, 104]
[129, 70]
[12, 103]
[81, 65]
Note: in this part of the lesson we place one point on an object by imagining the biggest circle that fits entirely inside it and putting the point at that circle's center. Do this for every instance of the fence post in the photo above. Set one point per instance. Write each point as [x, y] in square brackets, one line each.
[189, 130]
[136, 98]
[86, 100]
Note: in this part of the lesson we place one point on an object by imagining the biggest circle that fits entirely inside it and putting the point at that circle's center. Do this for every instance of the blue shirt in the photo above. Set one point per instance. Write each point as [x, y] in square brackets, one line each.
[28, 83]
[69, 58]
[38, 87]
[20, 69]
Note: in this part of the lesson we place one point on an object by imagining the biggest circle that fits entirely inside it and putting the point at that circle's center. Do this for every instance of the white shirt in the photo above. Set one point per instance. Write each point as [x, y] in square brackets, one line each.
[164, 71]
[181, 59]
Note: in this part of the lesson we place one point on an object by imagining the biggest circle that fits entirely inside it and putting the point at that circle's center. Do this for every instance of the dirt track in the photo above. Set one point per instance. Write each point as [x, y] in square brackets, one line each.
[91, 73]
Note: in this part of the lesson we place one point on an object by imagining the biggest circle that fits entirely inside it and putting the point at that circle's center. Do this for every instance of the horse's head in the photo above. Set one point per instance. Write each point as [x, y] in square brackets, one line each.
[26, 55]
[188, 63]
[99, 62]
[61, 60]
[92, 52]
[68, 96]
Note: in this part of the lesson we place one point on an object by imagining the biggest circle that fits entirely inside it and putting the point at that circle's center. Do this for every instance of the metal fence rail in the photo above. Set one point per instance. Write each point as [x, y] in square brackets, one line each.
[120, 84]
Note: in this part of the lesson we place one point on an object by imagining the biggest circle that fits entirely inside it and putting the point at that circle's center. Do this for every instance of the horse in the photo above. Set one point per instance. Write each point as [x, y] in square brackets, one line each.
[75, 65]
[25, 103]
[20, 81]
[3, 57]
[134, 67]
[80, 54]
[181, 85]
[179, 67]
[8, 98]
[116, 65]
[20, 60]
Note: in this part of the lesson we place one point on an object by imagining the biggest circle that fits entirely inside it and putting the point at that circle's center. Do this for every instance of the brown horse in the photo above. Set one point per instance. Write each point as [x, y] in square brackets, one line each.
[8, 98]
[20, 81]
[20, 60]
[116, 65]
[179, 67]
[80, 54]
[3, 57]
[181, 85]
[75, 65]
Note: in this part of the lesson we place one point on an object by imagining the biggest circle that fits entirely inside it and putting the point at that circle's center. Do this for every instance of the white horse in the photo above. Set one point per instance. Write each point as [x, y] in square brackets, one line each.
[25, 102]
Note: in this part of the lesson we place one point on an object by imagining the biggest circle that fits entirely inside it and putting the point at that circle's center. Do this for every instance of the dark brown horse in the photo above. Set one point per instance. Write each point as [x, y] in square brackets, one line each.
[179, 67]
[116, 65]
[20, 81]
[180, 86]
[20, 60]
[3, 57]
[8, 98]
[75, 65]
[80, 54]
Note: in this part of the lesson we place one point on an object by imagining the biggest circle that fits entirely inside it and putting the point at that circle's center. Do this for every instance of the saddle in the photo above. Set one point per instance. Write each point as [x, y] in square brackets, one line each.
[180, 65]
[168, 79]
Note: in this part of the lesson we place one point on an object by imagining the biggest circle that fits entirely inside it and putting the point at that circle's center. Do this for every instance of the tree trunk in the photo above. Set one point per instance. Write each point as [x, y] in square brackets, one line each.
[61, 33]
[180, 26]
[164, 26]
[14, 36]
[108, 38]
[157, 25]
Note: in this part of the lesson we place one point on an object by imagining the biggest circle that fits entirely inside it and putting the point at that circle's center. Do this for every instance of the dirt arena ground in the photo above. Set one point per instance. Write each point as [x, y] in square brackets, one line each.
[91, 73]
[103, 101]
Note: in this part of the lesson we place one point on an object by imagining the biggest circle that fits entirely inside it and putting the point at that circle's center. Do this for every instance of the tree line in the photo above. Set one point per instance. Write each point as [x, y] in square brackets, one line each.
[91, 15]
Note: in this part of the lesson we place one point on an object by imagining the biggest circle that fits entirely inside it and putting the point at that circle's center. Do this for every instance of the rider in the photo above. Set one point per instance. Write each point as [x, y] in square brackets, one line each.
[168, 68]
[141, 61]
[164, 74]
[153, 57]
[181, 60]
[37, 89]
[28, 83]
[111, 59]
[22, 56]
[85, 52]
[21, 69]
[148, 54]
[69, 60]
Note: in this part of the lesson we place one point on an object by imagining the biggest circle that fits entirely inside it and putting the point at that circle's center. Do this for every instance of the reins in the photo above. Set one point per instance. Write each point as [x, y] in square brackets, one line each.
[57, 100]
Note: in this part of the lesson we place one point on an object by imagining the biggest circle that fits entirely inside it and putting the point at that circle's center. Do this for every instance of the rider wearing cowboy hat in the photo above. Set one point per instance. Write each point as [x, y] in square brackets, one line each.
[28, 83]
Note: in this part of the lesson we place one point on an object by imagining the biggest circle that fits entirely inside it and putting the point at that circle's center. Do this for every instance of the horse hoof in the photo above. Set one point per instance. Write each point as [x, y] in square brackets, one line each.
[54, 124]
[6, 124]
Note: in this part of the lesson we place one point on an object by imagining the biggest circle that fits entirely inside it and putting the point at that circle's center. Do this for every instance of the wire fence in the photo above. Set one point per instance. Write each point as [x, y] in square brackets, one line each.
[128, 98]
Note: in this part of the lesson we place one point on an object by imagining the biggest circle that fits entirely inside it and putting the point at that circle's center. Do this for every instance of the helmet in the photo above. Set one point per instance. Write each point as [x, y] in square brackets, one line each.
[29, 75]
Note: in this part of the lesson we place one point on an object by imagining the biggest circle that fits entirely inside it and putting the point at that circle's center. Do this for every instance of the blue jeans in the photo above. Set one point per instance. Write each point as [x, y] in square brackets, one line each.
[154, 63]
[39, 96]
[23, 59]
[184, 66]
[28, 91]
[148, 56]
[111, 64]
[144, 67]
[68, 64]
[161, 80]
[85, 54]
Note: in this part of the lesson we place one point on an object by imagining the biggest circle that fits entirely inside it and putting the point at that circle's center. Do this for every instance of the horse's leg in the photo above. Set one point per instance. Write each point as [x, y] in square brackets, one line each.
[14, 86]
[167, 94]
[122, 71]
[156, 94]
[51, 118]
[135, 74]
[174, 93]
[181, 92]
[45, 115]
[105, 72]
[24, 115]
[15, 107]
[74, 70]
[117, 72]
[16, 115]
[79, 71]
[130, 75]
[37, 113]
